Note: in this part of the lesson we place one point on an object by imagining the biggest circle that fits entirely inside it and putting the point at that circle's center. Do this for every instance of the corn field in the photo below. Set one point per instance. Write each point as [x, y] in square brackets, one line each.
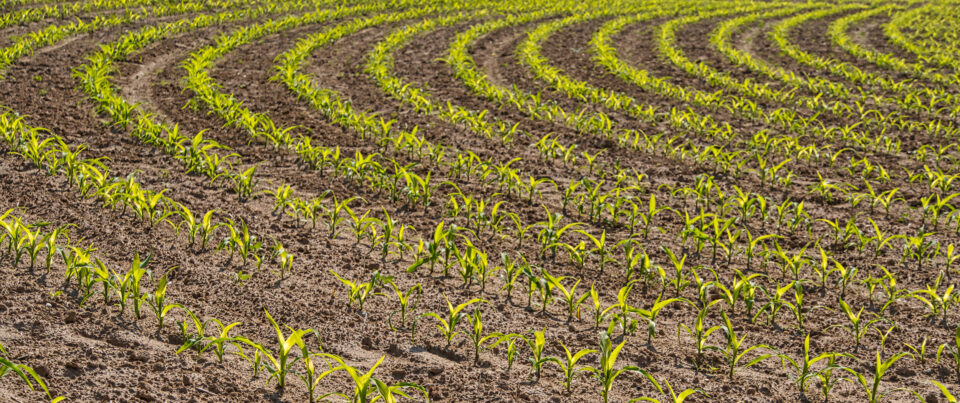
[479, 201]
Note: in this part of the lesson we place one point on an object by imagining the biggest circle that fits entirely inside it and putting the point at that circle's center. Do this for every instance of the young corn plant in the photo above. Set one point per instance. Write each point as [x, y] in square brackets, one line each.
[201, 342]
[18, 236]
[279, 364]
[568, 364]
[637, 263]
[601, 248]
[241, 242]
[121, 285]
[477, 337]
[919, 352]
[569, 296]
[335, 214]
[204, 228]
[283, 199]
[700, 333]
[511, 341]
[599, 314]
[827, 379]
[358, 292]
[551, 233]
[679, 281]
[892, 293]
[937, 303]
[540, 285]
[447, 325]
[847, 276]
[622, 317]
[880, 239]
[794, 264]
[802, 367]
[310, 376]
[157, 300]
[245, 183]
[192, 340]
[408, 301]
[282, 257]
[954, 351]
[578, 254]
[49, 244]
[754, 246]
[715, 235]
[368, 389]
[653, 312]
[736, 350]
[648, 215]
[510, 271]
[255, 360]
[674, 396]
[152, 207]
[799, 310]
[80, 264]
[134, 277]
[606, 372]
[859, 326]
[872, 387]
[538, 344]
[775, 302]
[105, 278]
[739, 288]
[920, 248]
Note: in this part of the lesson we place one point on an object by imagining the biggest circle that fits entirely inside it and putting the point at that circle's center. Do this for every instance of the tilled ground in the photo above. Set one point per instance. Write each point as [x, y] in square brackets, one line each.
[93, 352]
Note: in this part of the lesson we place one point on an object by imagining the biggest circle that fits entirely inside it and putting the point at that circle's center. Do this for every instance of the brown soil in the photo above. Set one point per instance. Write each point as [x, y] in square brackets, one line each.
[94, 353]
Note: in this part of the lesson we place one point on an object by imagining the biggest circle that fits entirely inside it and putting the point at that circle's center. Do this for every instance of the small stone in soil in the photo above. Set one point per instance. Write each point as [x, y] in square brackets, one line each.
[42, 371]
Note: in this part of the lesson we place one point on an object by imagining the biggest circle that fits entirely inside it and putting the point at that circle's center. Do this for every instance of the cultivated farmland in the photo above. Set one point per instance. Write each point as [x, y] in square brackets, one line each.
[472, 200]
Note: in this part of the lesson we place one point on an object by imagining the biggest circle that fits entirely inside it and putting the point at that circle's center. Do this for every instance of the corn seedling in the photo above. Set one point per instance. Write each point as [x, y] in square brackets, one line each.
[568, 364]
[859, 326]
[735, 349]
[827, 379]
[537, 343]
[651, 315]
[551, 232]
[241, 242]
[674, 396]
[700, 333]
[203, 229]
[569, 296]
[448, 325]
[358, 292]
[476, 335]
[157, 300]
[202, 342]
[310, 377]
[606, 372]
[802, 367]
[872, 387]
[368, 389]
[245, 183]
[954, 350]
[404, 299]
[335, 214]
[280, 363]
[937, 303]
